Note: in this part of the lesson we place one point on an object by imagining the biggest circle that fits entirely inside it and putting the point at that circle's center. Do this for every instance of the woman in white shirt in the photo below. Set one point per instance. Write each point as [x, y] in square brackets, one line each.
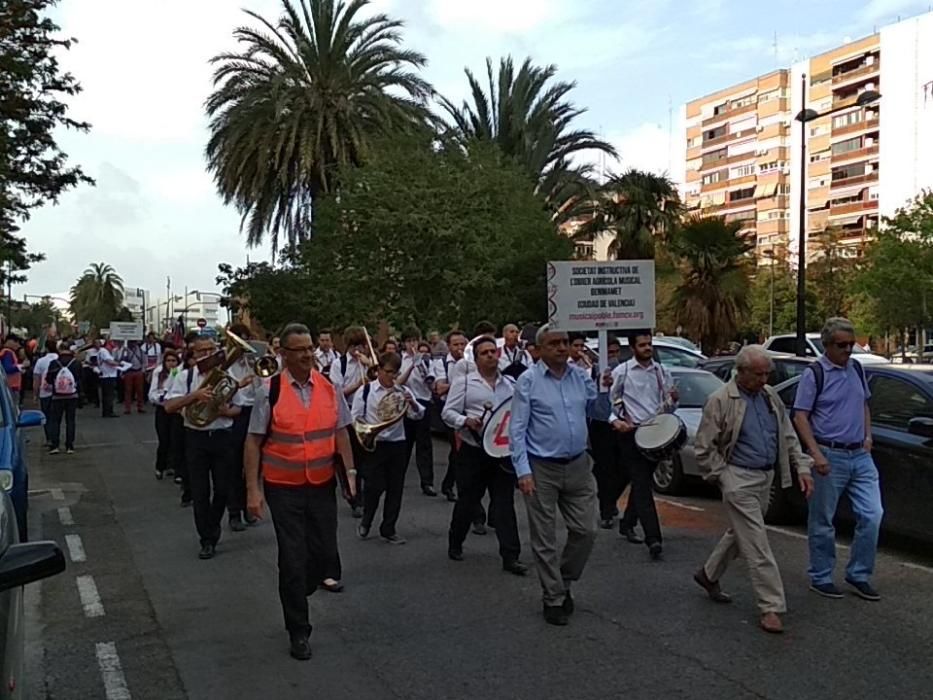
[162, 379]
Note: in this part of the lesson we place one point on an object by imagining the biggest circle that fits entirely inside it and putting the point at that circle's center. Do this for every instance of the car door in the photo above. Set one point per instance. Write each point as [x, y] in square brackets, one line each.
[902, 428]
[675, 357]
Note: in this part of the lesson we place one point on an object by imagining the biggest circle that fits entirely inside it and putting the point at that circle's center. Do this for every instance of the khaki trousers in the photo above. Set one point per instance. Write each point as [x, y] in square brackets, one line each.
[745, 497]
[572, 489]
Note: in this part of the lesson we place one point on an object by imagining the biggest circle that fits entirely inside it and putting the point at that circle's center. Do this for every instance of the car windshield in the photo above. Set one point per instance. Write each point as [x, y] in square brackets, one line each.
[695, 388]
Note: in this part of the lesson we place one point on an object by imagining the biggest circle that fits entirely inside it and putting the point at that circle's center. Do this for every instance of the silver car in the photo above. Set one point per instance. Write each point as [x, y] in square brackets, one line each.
[694, 386]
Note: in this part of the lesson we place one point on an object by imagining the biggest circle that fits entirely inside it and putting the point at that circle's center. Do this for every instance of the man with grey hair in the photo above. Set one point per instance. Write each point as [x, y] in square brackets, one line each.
[832, 417]
[744, 436]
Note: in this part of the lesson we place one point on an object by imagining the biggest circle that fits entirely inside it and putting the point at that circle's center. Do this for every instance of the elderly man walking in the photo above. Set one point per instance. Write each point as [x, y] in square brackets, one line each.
[744, 436]
[831, 414]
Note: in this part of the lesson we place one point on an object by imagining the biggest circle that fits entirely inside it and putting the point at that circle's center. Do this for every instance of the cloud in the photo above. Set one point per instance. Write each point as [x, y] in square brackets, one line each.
[876, 11]
[652, 147]
[502, 17]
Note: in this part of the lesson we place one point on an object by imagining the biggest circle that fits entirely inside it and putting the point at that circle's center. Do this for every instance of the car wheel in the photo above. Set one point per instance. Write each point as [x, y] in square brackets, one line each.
[668, 477]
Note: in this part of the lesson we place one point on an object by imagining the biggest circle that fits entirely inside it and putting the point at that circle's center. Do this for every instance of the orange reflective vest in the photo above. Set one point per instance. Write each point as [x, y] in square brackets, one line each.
[301, 442]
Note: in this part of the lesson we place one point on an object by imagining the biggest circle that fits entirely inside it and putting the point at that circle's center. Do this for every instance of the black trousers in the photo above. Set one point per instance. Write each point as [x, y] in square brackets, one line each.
[612, 475]
[67, 408]
[641, 470]
[305, 521]
[236, 503]
[450, 476]
[163, 427]
[209, 456]
[107, 388]
[90, 385]
[45, 405]
[177, 458]
[418, 437]
[384, 473]
[477, 472]
[359, 460]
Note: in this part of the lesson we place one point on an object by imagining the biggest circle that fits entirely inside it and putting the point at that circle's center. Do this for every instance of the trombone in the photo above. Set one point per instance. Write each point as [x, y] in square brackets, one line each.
[370, 374]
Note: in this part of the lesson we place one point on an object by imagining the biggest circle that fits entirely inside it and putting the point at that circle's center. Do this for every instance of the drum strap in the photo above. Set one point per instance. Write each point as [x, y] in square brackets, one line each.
[657, 375]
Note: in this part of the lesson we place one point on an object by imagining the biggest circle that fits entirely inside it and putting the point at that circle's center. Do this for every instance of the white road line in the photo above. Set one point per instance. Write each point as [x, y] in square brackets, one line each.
[75, 548]
[57, 494]
[845, 547]
[918, 567]
[90, 598]
[112, 672]
[678, 504]
[799, 535]
[96, 445]
[65, 516]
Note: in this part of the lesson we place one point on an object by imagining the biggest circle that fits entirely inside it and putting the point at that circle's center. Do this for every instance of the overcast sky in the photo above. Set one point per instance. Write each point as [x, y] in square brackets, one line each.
[144, 69]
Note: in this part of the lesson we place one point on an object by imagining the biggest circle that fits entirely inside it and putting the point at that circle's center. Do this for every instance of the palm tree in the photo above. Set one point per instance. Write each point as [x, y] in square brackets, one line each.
[303, 97]
[97, 296]
[635, 208]
[713, 294]
[529, 118]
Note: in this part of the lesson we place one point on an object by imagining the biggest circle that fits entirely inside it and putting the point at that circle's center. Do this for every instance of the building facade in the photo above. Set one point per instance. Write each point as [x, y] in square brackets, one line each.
[162, 313]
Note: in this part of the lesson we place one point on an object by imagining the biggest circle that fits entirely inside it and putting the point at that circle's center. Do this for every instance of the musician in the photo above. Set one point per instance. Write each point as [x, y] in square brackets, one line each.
[443, 372]
[325, 353]
[468, 405]
[245, 397]
[513, 360]
[579, 356]
[548, 441]
[646, 389]
[297, 432]
[417, 374]
[209, 450]
[385, 467]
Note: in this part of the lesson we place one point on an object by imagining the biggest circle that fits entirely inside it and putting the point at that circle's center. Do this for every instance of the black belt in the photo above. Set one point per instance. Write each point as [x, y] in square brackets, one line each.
[850, 446]
[557, 460]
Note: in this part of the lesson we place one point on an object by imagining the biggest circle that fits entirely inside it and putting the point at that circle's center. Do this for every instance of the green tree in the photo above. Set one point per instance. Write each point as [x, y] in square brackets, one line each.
[36, 317]
[270, 295]
[635, 209]
[530, 119]
[33, 96]
[712, 297]
[302, 98]
[831, 276]
[758, 319]
[97, 296]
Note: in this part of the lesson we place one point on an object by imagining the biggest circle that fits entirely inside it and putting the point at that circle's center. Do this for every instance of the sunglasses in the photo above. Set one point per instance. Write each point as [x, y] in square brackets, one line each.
[845, 346]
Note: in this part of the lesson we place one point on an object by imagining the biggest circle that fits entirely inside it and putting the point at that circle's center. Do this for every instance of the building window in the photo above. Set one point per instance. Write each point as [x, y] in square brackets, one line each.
[820, 130]
[847, 171]
[712, 178]
[744, 193]
[711, 134]
[742, 171]
[783, 188]
[847, 146]
[843, 120]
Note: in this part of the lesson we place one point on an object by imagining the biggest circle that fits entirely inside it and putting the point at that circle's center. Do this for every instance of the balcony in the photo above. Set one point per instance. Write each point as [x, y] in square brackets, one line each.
[862, 71]
[864, 125]
[729, 113]
[860, 154]
[857, 180]
[854, 207]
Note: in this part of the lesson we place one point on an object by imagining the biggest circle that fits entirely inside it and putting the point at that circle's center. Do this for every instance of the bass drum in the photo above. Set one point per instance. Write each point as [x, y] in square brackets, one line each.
[496, 431]
[661, 437]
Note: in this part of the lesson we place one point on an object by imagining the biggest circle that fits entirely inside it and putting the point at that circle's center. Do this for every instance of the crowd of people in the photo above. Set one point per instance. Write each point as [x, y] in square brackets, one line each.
[327, 420]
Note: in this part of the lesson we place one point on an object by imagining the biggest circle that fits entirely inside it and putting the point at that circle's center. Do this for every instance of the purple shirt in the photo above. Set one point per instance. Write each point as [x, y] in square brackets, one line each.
[839, 411]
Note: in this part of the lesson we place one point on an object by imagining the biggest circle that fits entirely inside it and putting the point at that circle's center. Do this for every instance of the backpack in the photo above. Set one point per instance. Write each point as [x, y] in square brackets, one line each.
[62, 380]
[819, 378]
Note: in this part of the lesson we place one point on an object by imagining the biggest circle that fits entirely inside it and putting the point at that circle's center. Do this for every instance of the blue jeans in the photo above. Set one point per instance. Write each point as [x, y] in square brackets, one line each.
[854, 473]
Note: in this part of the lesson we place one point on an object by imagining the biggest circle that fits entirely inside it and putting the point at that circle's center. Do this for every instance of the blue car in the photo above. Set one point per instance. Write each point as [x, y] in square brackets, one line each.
[14, 476]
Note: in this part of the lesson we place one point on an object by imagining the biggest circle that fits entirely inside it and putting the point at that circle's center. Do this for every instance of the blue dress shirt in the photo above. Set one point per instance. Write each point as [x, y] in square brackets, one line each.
[757, 444]
[549, 415]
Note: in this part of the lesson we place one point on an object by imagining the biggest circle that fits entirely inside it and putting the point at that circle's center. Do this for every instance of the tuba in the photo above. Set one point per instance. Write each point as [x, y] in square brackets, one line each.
[219, 380]
[391, 409]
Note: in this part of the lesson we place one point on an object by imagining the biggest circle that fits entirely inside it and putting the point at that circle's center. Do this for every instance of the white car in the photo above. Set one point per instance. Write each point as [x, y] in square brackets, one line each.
[669, 353]
[788, 344]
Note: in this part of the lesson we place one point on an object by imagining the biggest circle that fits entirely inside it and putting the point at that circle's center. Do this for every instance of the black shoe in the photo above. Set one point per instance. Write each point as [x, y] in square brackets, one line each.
[394, 539]
[159, 474]
[450, 495]
[629, 534]
[357, 511]
[555, 615]
[299, 647]
[455, 554]
[237, 524]
[515, 567]
[606, 523]
[169, 472]
[250, 520]
[179, 480]
[428, 491]
[656, 551]
[864, 590]
[479, 529]
[362, 531]
[568, 605]
[185, 501]
[827, 590]
[207, 551]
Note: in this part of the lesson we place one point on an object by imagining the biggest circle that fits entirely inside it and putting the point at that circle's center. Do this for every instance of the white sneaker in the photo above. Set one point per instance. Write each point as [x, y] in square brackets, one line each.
[69, 452]
[55, 451]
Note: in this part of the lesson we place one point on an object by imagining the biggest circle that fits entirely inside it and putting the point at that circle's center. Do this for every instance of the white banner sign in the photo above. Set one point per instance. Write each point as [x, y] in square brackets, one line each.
[592, 295]
[126, 330]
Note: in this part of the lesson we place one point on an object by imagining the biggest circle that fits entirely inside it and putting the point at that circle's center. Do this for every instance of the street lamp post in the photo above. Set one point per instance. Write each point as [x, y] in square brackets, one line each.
[806, 116]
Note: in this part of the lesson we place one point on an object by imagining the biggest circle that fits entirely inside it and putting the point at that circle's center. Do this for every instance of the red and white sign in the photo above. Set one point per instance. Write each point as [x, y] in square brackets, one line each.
[496, 432]
[202, 322]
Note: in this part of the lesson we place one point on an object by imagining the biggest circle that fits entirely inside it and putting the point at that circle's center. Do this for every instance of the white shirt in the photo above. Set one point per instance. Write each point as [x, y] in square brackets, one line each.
[355, 372]
[153, 355]
[89, 355]
[157, 393]
[509, 356]
[179, 388]
[326, 359]
[643, 389]
[368, 413]
[417, 380]
[39, 372]
[246, 395]
[104, 358]
[468, 398]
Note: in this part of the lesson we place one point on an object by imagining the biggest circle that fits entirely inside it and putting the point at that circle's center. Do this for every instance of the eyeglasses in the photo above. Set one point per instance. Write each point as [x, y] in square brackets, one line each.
[845, 346]
[307, 350]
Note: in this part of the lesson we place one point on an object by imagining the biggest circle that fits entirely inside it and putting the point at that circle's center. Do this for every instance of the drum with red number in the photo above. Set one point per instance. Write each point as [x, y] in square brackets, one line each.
[496, 431]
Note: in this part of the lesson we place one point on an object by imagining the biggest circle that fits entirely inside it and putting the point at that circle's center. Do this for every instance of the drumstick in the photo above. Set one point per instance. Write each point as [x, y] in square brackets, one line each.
[487, 407]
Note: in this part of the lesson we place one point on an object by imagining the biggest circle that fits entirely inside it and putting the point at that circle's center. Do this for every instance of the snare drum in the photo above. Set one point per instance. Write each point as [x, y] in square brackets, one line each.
[496, 431]
[661, 437]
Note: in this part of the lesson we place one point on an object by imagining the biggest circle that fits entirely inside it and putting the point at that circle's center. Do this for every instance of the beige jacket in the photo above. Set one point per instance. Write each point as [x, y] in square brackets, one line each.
[719, 431]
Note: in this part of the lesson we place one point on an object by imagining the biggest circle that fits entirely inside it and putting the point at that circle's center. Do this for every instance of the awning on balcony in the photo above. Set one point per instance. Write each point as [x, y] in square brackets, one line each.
[767, 189]
[851, 191]
[845, 220]
[717, 198]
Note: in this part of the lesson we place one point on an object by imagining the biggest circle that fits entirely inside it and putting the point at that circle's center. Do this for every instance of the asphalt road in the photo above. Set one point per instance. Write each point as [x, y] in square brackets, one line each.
[137, 615]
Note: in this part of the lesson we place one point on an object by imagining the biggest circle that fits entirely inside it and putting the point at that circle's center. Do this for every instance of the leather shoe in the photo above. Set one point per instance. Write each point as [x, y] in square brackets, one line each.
[357, 511]
[771, 622]
[568, 605]
[428, 491]
[450, 496]
[555, 615]
[362, 531]
[656, 551]
[515, 567]
[207, 551]
[237, 524]
[299, 647]
[712, 588]
[629, 534]
[479, 529]
[606, 523]
[331, 585]
[455, 555]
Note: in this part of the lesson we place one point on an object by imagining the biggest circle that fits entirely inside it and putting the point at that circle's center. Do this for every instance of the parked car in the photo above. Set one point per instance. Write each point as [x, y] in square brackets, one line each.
[694, 386]
[20, 563]
[901, 408]
[668, 353]
[677, 340]
[785, 366]
[14, 476]
[788, 344]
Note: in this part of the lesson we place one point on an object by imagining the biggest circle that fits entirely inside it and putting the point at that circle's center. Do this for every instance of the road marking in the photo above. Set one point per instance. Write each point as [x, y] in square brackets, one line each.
[90, 598]
[65, 516]
[678, 504]
[96, 445]
[112, 672]
[57, 494]
[75, 548]
[918, 567]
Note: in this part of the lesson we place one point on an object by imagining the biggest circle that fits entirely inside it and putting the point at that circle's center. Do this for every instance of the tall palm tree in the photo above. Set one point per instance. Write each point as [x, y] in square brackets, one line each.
[303, 96]
[635, 208]
[531, 120]
[713, 294]
[97, 296]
